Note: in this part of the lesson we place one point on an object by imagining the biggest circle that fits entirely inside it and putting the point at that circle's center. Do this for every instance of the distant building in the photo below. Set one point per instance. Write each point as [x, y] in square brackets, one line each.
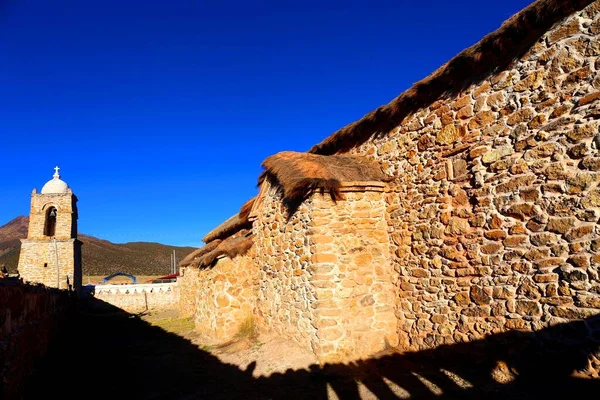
[51, 254]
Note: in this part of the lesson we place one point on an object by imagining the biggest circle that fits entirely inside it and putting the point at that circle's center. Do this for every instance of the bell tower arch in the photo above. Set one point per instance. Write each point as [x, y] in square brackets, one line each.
[51, 254]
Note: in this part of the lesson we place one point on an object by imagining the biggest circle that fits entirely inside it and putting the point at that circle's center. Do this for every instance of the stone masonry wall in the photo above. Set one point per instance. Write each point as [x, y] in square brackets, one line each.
[285, 294]
[136, 298]
[37, 262]
[495, 203]
[66, 218]
[225, 297]
[352, 275]
[187, 285]
[30, 317]
[325, 273]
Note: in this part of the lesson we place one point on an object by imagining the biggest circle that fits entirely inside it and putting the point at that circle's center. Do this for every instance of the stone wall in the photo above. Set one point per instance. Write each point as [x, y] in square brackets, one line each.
[495, 200]
[285, 294]
[30, 317]
[188, 285]
[325, 273]
[351, 274]
[136, 298]
[66, 215]
[37, 262]
[225, 297]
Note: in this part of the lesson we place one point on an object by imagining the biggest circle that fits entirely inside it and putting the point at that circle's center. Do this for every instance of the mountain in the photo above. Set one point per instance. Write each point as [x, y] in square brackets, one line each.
[99, 257]
[10, 243]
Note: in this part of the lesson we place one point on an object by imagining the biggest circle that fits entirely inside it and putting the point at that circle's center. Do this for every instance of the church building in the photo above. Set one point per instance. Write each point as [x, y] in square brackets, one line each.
[51, 254]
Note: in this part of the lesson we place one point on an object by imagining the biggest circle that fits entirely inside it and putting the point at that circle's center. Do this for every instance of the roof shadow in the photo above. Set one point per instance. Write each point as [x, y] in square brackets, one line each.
[107, 353]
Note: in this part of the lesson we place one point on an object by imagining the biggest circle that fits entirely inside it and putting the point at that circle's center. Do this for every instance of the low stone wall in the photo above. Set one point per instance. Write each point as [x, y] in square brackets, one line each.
[225, 297]
[137, 298]
[30, 317]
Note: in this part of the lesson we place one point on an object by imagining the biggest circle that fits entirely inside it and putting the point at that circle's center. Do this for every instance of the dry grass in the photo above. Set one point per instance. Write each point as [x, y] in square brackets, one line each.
[198, 254]
[178, 326]
[247, 328]
[237, 244]
[228, 228]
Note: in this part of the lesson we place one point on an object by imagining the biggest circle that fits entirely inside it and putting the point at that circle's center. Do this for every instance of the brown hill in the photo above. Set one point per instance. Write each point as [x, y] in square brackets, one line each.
[99, 257]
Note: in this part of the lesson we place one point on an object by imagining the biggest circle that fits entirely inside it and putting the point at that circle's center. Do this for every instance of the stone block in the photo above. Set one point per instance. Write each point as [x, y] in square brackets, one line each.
[479, 296]
[561, 225]
[528, 307]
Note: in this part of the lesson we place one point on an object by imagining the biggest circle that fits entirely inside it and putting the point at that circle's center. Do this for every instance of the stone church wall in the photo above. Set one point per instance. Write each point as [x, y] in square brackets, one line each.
[325, 273]
[495, 202]
[37, 262]
[225, 297]
[352, 274]
[65, 220]
[285, 294]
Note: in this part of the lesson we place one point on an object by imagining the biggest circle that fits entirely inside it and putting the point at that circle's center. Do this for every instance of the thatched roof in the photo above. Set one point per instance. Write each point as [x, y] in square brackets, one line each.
[246, 209]
[232, 225]
[473, 65]
[298, 175]
[227, 228]
[233, 246]
[197, 254]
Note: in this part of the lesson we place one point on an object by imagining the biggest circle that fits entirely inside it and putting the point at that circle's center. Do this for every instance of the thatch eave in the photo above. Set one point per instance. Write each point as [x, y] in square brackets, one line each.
[473, 65]
[298, 175]
[235, 245]
[197, 254]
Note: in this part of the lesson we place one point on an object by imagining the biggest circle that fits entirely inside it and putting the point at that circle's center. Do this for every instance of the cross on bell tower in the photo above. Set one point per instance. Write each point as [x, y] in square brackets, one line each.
[51, 254]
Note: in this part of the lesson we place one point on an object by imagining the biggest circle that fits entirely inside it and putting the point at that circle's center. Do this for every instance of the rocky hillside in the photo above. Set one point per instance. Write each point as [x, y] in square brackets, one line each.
[99, 257]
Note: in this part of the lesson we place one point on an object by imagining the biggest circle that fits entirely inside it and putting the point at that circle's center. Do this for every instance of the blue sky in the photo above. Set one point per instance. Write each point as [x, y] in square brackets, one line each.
[159, 113]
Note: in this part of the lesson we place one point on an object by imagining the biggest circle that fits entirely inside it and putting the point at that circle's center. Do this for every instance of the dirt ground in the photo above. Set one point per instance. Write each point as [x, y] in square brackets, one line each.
[106, 353]
[270, 353]
[267, 354]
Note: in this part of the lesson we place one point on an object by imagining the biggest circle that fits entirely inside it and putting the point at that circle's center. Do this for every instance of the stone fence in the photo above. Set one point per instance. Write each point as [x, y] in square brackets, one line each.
[30, 318]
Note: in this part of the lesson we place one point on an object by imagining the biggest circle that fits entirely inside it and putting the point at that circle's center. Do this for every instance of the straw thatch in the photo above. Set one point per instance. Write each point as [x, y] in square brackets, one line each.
[473, 65]
[233, 246]
[246, 209]
[227, 228]
[298, 175]
[197, 254]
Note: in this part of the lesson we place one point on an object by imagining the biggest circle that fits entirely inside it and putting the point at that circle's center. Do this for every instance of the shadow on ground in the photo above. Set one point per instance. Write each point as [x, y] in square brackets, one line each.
[110, 354]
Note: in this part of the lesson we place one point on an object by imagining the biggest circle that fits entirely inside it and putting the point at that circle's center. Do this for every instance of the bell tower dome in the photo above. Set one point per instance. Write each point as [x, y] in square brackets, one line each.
[51, 254]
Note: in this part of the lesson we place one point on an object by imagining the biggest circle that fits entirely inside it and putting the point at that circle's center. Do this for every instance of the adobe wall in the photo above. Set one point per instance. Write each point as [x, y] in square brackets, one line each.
[225, 297]
[495, 200]
[325, 274]
[30, 317]
[135, 298]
